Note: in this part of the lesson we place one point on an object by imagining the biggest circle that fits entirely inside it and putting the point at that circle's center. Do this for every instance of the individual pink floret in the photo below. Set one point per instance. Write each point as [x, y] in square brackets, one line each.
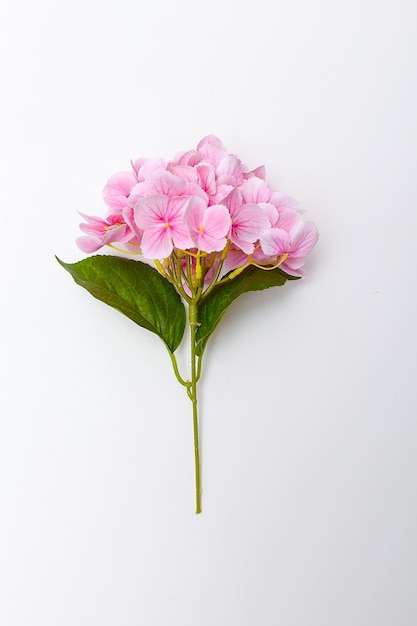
[296, 245]
[208, 226]
[249, 221]
[118, 188]
[101, 232]
[162, 220]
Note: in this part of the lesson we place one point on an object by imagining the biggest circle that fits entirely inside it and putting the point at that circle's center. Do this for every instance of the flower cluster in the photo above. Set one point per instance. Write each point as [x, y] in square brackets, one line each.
[206, 209]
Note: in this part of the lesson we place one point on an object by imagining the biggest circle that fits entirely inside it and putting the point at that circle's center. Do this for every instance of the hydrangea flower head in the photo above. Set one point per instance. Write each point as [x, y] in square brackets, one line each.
[203, 201]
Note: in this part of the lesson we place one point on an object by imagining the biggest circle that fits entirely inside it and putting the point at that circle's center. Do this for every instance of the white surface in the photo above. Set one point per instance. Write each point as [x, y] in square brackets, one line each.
[308, 398]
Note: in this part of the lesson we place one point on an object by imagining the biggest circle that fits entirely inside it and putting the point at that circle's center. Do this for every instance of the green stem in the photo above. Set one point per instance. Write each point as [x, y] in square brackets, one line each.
[176, 370]
[193, 319]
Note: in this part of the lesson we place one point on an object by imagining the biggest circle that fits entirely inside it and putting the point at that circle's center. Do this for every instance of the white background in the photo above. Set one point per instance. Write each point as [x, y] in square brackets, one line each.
[308, 410]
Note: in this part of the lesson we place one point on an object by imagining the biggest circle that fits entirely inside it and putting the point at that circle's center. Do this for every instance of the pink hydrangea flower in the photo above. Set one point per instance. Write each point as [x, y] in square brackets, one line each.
[208, 225]
[162, 220]
[248, 221]
[202, 199]
[295, 245]
[118, 189]
[102, 232]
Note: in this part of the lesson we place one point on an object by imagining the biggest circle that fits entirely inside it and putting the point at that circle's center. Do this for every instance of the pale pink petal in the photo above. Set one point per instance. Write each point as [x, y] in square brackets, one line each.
[303, 239]
[89, 244]
[136, 165]
[120, 183]
[291, 270]
[175, 218]
[255, 190]
[150, 166]
[287, 220]
[93, 228]
[193, 216]
[271, 211]
[295, 262]
[248, 224]
[116, 233]
[118, 189]
[216, 221]
[192, 189]
[160, 182]
[185, 172]
[221, 192]
[91, 219]
[129, 217]
[233, 201]
[207, 243]
[230, 167]
[157, 243]
[283, 202]
[192, 157]
[212, 149]
[226, 179]
[211, 140]
[175, 209]
[235, 258]
[208, 226]
[150, 211]
[275, 242]
[181, 236]
[259, 172]
[206, 178]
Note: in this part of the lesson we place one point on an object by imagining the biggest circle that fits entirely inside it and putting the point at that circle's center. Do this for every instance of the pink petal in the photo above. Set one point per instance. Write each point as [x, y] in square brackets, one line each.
[175, 209]
[118, 189]
[116, 233]
[160, 182]
[208, 226]
[283, 202]
[175, 217]
[212, 149]
[233, 201]
[192, 157]
[193, 216]
[287, 220]
[207, 243]
[275, 242]
[157, 243]
[150, 166]
[89, 244]
[271, 211]
[259, 172]
[303, 239]
[248, 224]
[216, 221]
[231, 166]
[255, 190]
[136, 165]
[150, 211]
[221, 192]
[206, 178]
[129, 217]
[185, 172]
[211, 140]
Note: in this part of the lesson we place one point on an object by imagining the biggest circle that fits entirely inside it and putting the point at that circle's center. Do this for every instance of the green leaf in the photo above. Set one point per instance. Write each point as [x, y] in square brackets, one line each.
[212, 308]
[136, 290]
